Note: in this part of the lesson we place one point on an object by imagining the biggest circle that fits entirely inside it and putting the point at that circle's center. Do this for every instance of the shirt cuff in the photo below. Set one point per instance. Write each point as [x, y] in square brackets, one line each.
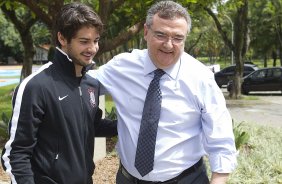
[223, 163]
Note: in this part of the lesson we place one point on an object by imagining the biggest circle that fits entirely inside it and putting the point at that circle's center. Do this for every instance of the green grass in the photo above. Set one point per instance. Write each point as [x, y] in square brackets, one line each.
[244, 97]
[260, 161]
[109, 103]
[10, 77]
[5, 107]
[5, 99]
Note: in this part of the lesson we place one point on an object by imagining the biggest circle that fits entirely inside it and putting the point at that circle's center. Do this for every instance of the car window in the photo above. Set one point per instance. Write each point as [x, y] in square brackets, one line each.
[260, 74]
[277, 73]
[247, 68]
[269, 73]
[229, 69]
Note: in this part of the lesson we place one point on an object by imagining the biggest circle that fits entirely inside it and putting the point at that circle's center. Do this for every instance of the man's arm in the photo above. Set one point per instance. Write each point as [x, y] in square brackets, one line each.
[219, 178]
[104, 127]
[23, 128]
[219, 142]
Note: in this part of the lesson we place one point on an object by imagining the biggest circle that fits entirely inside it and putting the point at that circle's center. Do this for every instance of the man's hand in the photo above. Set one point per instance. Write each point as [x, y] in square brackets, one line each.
[219, 178]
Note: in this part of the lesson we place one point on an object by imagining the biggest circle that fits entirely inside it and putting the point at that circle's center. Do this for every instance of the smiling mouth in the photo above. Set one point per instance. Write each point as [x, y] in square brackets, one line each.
[166, 52]
[88, 55]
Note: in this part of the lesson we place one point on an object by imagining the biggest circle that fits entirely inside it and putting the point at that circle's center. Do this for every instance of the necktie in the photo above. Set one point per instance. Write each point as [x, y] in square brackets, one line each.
[145, 152]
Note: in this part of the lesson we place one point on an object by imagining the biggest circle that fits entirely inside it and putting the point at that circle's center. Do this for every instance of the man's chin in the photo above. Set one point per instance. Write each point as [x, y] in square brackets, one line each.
[89, 63]
[86, 62]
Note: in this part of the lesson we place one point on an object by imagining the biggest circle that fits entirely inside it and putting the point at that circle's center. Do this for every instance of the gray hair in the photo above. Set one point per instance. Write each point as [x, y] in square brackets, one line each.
[168, 10]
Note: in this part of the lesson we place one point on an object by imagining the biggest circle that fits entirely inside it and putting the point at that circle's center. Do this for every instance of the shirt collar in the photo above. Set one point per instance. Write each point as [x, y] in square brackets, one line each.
[149, 67]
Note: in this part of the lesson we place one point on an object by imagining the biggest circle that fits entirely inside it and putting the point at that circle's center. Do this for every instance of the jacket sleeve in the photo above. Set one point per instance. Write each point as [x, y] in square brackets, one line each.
[26, 117]
[104, 127]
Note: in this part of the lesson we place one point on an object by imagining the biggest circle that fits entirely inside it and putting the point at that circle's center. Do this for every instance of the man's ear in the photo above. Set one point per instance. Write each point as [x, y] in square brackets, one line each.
[62, 39]
[146, 28]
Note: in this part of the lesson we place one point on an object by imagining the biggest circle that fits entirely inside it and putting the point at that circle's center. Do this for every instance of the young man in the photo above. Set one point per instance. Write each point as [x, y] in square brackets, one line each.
[55, 110]
[193, 119]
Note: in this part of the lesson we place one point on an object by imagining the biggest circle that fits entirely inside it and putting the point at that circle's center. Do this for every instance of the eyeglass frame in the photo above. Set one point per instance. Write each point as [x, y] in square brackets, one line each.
[163, 37]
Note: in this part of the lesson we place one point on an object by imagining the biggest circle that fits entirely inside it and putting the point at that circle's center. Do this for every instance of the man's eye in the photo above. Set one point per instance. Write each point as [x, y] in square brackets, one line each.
[161, 36]
[176, 39]
[83, 42]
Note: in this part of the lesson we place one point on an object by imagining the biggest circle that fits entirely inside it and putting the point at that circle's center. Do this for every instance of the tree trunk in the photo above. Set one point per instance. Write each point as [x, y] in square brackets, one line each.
[265, 61]
[23, 26]
[280, 54]
[274, 57]
[29, 52]
[240, 34]
[236, 93]
[240, 45]
[274, 62]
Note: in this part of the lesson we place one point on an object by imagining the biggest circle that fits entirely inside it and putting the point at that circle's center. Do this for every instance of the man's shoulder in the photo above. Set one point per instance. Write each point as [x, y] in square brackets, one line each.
[134, 59]
[135, 53]
[190, 60]
[39, 78]
[195, 67]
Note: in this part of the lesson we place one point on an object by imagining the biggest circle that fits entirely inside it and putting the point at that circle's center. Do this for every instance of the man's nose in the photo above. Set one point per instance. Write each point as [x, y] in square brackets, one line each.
[169, 42]
[93, 47]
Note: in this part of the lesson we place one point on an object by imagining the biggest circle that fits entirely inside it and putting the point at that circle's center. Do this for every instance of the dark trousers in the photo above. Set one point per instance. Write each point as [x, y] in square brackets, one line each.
[197, 177]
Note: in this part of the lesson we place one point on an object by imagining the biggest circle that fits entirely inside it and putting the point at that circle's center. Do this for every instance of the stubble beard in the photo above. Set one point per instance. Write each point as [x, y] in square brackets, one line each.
[76, 60]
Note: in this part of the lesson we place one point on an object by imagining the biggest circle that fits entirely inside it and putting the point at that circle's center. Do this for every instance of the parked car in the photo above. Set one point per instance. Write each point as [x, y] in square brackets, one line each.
[266, 79]
[223, 76]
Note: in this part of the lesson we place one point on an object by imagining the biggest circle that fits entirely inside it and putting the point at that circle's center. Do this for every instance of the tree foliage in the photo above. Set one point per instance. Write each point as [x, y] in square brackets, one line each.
[256, 24]
[10, 43]
[23, 20]
[266, 28]
[241, 37]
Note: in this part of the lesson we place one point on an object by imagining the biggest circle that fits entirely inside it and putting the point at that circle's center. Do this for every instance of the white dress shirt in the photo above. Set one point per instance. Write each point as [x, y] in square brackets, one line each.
[194, 120]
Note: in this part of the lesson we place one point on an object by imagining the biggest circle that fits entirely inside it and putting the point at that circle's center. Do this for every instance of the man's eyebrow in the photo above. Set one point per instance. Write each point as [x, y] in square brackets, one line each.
[86, 39]
[159, 32]
[180, 35]
[176, 35]
[83, 38]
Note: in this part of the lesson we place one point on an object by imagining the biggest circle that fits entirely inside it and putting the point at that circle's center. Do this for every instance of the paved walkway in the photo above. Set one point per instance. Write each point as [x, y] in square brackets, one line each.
[9, 74]
[10, 67]
[264, 110]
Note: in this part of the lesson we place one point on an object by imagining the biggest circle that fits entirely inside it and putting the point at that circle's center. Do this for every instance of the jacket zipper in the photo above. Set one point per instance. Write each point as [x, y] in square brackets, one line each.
[83, 121]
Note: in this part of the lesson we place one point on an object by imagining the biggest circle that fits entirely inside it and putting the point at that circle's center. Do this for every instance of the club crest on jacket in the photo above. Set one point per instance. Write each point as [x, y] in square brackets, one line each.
[92, 96]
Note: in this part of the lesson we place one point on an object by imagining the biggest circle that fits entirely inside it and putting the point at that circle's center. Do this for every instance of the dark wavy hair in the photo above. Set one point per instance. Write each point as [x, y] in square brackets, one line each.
[72, 18]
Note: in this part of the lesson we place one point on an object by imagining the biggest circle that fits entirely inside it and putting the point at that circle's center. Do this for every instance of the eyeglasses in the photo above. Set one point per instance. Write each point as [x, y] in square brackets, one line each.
[178, 39]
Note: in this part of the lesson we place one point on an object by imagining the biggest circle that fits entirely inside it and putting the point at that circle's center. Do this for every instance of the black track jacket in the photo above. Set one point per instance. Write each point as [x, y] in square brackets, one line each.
[53, 126]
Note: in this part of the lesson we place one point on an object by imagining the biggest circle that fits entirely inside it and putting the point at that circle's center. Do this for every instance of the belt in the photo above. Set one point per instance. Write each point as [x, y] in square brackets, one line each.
[174, 180]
